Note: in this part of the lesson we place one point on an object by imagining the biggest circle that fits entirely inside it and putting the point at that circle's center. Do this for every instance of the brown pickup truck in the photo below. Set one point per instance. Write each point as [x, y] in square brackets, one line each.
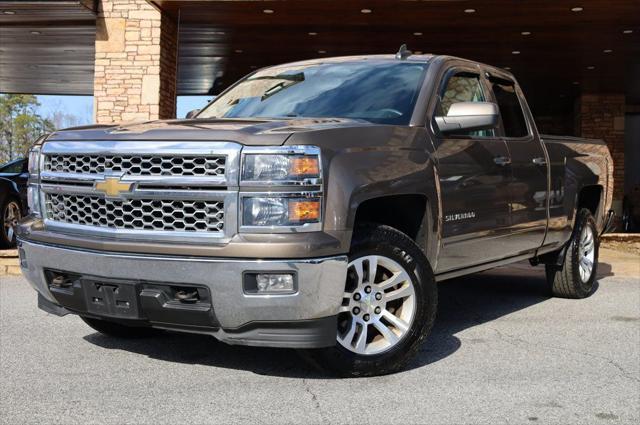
[313, 205]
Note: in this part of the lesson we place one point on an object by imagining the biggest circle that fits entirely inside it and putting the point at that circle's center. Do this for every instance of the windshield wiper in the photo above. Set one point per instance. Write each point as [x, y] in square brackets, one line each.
[289, 77]
[275, 89]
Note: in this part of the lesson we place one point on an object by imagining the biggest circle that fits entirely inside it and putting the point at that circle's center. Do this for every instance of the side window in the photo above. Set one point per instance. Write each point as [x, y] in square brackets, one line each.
[513, 119]
[462, 87]
[15, 167]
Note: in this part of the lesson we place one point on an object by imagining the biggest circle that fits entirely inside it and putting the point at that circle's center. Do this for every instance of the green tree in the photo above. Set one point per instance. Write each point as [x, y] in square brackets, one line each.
[20, 125]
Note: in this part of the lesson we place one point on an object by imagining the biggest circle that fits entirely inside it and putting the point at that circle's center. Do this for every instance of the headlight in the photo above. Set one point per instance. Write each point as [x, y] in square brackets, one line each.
[33, 190]
[297, 165]
[33, 199]
[280, 211]
[34, 161]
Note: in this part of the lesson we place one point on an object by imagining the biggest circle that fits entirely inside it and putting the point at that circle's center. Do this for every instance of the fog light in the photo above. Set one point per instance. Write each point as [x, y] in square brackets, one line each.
[274, 283]
[270, 283]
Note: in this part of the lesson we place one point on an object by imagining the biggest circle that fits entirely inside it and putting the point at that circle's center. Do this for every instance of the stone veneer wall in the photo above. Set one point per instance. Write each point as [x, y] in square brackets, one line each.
[135, 63]
[601, 116]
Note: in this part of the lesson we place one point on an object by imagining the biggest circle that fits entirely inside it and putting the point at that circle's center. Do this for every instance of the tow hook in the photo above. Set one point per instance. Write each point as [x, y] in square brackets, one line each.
[187, 296]
[60, 281]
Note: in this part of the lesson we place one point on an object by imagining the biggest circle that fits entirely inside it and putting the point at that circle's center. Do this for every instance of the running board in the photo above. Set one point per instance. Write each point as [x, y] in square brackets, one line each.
[481, 267]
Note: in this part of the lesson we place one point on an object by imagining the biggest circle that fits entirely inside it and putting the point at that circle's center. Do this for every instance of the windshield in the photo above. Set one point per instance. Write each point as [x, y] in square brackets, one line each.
[382, 93]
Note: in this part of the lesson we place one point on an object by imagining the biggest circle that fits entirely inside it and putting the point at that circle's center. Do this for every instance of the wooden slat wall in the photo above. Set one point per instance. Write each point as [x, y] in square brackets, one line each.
[47, 47]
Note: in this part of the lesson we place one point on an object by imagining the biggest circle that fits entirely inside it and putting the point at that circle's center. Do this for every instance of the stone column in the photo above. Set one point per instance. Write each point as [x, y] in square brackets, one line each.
[601, 116]
[135, 64]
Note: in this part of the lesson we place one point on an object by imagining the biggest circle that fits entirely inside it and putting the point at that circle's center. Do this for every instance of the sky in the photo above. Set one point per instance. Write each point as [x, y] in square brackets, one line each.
[189, 103]
[82, 106]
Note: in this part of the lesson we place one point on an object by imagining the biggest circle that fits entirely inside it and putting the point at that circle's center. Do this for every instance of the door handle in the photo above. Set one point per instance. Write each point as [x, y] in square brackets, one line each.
[502, 160]
[539, 161]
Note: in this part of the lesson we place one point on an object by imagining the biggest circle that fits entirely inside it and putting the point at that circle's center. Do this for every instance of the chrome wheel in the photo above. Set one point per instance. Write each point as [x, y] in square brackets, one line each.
[11, 218]
[626, 220]
[586, 253]
[378, 306]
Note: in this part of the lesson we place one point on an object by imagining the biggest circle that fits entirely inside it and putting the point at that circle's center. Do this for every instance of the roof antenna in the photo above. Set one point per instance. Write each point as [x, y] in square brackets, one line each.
[403, 52]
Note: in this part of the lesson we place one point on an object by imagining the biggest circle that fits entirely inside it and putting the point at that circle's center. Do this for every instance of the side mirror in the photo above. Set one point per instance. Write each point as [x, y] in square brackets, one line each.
[192, 114]
[469, 116]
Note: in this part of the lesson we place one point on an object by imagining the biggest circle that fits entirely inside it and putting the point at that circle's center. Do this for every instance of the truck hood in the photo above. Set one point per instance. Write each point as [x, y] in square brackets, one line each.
[246, 131]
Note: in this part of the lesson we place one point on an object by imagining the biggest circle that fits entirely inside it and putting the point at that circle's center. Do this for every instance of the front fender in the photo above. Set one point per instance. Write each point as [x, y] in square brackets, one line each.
[369, 162]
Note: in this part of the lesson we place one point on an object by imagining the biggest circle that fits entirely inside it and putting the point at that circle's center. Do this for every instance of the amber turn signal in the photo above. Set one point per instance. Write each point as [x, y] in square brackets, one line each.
[304, 166]
[304, 211]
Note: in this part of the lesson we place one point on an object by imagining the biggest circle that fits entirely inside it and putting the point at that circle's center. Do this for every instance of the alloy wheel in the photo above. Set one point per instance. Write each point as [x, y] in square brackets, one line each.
[11, 218]
[378, 305]
[586, 253]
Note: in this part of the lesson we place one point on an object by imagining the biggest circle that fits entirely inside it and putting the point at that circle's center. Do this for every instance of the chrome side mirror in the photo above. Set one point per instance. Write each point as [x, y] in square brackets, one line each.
[469, 116]
[192, 114]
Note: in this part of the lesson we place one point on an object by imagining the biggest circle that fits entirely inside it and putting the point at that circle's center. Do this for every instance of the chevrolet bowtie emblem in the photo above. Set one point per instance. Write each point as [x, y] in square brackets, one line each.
[112, 186]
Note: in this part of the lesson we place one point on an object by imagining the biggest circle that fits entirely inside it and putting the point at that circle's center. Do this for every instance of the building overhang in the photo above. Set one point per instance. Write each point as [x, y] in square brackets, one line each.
[47, 47]
[548, 46]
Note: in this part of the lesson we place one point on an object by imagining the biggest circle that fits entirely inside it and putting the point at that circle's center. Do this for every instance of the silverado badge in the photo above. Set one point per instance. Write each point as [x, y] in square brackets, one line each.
[460, 216]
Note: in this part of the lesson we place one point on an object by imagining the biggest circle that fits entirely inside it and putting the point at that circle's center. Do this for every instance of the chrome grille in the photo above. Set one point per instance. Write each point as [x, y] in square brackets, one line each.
[137, 165]
[136, 214]
[179, 191]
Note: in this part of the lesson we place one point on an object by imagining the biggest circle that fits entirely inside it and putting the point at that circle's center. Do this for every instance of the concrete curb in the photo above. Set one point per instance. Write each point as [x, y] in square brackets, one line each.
[9, 263]
[621, 237]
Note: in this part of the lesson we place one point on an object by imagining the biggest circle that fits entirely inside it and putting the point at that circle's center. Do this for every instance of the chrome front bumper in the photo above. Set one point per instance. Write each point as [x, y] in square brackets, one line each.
[240, 318]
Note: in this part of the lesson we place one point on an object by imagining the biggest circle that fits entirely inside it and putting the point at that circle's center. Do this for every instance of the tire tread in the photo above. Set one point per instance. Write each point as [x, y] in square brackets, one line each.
[565, 281]
[333, 359]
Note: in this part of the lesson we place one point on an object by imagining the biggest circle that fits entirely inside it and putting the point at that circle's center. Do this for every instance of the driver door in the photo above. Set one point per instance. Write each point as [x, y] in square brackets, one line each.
[474, 178]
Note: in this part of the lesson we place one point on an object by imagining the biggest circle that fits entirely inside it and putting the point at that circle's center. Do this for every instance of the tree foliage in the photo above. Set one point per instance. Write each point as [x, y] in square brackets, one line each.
[20, 125]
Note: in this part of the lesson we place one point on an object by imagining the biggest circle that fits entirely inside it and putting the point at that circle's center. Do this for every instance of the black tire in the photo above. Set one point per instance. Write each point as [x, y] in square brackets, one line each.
[386, 241]
[7, 235]
[118, 330]
[566, 281]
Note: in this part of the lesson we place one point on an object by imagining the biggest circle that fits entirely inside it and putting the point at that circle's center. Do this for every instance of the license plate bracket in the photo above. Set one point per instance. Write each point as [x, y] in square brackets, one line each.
[112, 299]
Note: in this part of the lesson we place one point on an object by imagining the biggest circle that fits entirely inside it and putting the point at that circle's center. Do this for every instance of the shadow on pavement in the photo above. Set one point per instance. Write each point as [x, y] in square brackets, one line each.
[463, 303]
[604, 270]
[476, 299]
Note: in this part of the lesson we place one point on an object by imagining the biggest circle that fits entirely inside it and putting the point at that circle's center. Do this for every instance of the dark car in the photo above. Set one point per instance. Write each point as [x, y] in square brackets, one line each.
[13, 199]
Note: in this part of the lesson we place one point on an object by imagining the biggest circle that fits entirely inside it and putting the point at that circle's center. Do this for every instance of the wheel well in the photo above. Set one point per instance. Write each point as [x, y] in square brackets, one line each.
[402, 212]
[589, 198]
[11, 197]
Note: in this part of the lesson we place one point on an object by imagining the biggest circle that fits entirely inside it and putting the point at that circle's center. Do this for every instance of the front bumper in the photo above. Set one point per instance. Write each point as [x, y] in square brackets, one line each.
[305, 319]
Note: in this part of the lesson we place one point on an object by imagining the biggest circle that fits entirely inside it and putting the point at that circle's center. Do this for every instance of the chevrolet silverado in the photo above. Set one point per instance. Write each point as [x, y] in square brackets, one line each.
[313, 205]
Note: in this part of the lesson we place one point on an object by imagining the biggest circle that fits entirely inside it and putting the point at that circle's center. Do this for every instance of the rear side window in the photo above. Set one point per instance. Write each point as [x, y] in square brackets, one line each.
[512, 116]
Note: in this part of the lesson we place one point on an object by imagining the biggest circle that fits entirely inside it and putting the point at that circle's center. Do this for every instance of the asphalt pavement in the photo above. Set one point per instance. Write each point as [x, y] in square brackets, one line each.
[501, 352]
